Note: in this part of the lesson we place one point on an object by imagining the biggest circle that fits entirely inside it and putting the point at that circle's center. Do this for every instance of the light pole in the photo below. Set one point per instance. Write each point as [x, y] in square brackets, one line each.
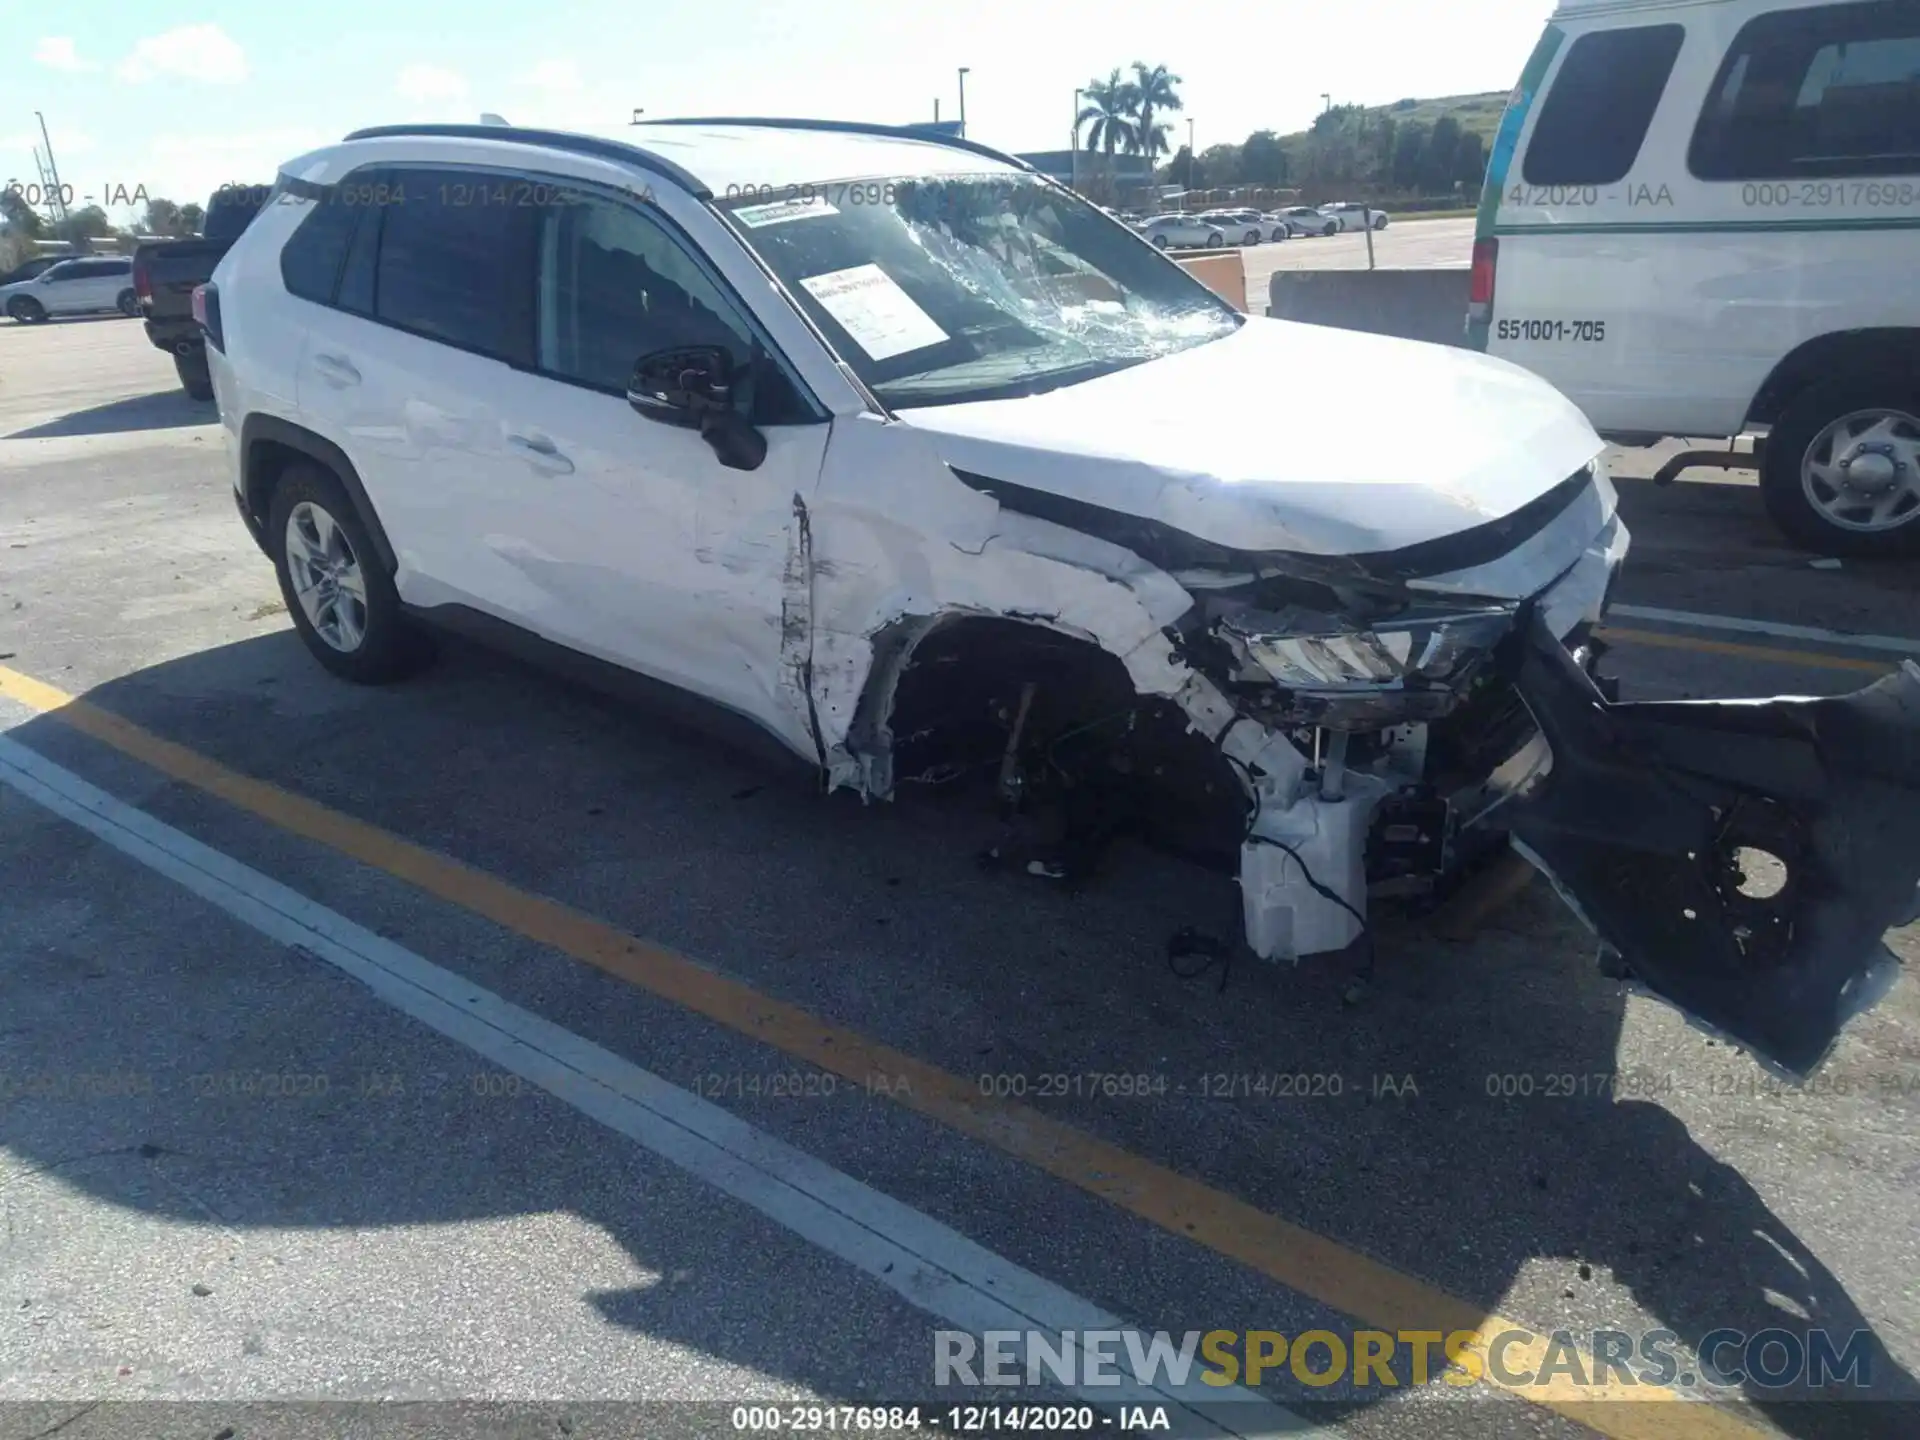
[963, 101]
[1329, 99]
[1191, 157]
[637, 113]
[1075, 162]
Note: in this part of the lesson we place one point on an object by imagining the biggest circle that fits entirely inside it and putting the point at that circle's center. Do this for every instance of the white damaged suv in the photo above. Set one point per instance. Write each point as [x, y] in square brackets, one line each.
[935, 473]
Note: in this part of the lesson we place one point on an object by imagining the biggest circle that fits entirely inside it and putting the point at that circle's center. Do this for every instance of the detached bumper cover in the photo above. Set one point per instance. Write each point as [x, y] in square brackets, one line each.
[1646, 806]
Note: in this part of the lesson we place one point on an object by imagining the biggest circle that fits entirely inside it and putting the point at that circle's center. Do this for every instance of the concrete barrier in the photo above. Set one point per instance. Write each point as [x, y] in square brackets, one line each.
[1222, 271]
[1426, 305]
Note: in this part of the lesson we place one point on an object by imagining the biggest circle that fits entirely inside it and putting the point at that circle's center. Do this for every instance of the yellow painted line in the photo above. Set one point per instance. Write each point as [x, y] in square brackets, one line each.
[1816, 659]
[1376, 1294]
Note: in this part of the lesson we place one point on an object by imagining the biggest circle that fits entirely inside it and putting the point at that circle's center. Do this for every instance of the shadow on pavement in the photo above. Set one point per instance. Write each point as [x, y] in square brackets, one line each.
[165, 410]
[1460, 1189]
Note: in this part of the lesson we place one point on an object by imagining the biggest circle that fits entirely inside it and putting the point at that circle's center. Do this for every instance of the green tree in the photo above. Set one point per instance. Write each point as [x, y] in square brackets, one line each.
[1409, 154]
[1153, 94]
[89, 223]
[1263, 160]
[1439, 166]
[162, 218]
[18, 218]
[1470, 166]
[1108, 117]
[1183, 169]
[193, 218]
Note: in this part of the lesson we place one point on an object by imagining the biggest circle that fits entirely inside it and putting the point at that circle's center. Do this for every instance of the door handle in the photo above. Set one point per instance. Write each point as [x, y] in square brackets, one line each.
[336, 370]
[541, 453]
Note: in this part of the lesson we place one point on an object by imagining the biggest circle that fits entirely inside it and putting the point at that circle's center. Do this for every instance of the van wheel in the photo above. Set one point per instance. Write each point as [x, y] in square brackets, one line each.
[128, 304]
[26, 310]
[342, 601]
[1840, 473]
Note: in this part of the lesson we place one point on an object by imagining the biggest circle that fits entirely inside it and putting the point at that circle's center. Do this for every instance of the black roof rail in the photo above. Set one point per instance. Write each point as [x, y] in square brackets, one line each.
[849, 127]
[552, 140]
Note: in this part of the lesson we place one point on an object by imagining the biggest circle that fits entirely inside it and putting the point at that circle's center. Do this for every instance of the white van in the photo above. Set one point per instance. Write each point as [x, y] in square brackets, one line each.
[1702, 217]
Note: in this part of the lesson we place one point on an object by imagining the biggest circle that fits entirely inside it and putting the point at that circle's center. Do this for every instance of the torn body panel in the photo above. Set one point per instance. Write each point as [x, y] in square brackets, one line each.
[1743, 859]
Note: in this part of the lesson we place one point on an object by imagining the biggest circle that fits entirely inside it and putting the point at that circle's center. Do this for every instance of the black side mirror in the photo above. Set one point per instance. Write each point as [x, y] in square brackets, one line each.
[692, 386]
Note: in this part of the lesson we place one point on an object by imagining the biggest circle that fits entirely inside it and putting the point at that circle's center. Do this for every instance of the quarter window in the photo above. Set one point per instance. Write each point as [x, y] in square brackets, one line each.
[1599, 105]
[1831, 91]
[310, 260]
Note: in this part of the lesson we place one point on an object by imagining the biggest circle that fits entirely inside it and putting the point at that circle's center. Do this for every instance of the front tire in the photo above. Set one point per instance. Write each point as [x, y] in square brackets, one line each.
[340, 597]
[26, 310]
[128, 304]
[195, 378]
[1840, 473]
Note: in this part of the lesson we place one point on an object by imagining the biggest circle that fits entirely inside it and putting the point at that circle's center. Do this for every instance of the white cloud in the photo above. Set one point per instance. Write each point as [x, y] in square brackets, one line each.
[558, 76]
[57, 52]
[430, 85]
[192, 52]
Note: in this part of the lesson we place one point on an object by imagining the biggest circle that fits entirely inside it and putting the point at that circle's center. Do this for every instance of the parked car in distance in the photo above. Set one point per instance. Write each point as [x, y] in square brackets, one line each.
[165, 273]
[1305, 220]
[897, 483]
[1352, 215]
[84, 285]
[1171, 232]
[1237, 226]
[32, 269]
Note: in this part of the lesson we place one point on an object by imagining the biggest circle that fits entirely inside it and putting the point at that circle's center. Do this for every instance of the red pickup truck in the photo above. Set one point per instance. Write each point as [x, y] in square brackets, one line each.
[165, 273]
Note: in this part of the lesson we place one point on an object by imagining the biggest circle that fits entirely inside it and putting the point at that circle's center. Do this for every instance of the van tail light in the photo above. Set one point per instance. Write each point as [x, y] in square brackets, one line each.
[1486, 257]
[206, 314]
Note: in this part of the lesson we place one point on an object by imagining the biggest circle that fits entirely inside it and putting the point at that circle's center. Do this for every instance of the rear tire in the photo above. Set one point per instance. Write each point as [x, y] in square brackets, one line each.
[1253, 237]
[195, 378]
[1160, 242]
[1216, 240]
[1810, 494]
[26, 310]
[128, 304]
[330, 572]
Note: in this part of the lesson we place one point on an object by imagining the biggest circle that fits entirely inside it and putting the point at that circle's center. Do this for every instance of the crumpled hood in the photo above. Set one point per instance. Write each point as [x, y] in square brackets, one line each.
[1283, 436]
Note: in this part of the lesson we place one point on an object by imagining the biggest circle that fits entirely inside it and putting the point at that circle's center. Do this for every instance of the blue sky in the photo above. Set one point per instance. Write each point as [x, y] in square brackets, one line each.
[183, 98]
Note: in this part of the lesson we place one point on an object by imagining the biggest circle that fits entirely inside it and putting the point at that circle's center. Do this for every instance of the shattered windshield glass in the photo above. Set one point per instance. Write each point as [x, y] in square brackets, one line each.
[976, 287]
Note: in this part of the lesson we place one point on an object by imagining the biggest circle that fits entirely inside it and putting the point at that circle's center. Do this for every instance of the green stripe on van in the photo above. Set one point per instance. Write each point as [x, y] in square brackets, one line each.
[1506, 139]
[1716, 227]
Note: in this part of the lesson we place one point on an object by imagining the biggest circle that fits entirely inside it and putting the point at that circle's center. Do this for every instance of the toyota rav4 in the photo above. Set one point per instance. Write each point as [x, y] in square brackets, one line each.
[934, 471]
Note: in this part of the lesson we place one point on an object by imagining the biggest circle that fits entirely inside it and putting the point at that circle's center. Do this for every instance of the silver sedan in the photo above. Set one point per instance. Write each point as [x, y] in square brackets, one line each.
[1175, 231]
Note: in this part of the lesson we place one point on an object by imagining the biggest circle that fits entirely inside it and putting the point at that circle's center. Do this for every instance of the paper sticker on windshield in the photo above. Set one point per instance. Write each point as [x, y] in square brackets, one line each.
[778, 212]
[875, 311]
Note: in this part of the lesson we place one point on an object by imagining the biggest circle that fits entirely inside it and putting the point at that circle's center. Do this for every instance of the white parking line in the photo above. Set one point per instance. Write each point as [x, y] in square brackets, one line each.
[1896, 644]
[935, 1268]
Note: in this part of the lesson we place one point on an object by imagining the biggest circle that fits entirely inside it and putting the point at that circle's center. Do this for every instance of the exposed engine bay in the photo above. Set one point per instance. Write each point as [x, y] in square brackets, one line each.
[1346, 736]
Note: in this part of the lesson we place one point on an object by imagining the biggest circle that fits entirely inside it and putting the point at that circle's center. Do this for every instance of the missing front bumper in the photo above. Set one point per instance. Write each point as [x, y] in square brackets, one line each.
[1643, 817]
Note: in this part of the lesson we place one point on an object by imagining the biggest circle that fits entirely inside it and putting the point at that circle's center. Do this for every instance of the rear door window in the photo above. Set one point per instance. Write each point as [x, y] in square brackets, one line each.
[310, 260]
[1599, 105]
[1832, 91]
[456, 262]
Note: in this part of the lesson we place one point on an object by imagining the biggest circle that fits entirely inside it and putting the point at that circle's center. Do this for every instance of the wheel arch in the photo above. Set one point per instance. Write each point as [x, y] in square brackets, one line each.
[268, 445]
[1831, 356]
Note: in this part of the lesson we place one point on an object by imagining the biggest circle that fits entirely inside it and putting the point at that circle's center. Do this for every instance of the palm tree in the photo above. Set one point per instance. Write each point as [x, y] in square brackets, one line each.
[1108, 116]
[1153, 92]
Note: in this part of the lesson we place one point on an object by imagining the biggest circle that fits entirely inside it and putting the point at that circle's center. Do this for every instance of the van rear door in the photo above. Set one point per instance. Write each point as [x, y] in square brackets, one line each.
[1574, 192]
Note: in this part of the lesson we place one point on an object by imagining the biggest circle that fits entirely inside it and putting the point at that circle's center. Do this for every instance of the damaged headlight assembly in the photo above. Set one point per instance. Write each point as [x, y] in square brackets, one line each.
[1413, 666]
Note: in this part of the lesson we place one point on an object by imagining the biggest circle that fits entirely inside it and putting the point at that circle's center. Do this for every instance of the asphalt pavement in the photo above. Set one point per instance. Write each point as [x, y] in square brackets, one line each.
[482, 1038]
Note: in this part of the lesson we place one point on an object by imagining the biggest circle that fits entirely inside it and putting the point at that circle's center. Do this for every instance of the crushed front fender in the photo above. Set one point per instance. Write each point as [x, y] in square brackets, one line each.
[1740, 859]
